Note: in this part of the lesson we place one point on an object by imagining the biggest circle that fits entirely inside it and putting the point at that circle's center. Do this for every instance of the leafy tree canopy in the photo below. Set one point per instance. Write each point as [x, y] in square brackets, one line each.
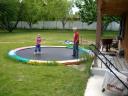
[9, 12]
[88, 13]
[56, 9]
[36, 10]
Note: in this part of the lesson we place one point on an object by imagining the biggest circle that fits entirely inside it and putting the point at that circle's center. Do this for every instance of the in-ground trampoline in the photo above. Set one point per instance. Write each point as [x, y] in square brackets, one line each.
[49, 54]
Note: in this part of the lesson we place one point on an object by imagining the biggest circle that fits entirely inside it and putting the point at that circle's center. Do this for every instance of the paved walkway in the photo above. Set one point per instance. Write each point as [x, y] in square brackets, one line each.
[94, 86]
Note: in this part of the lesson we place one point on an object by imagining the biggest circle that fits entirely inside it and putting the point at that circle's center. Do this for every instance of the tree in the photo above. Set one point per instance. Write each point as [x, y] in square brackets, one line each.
[56, 10]
[35, 10]
[88, 13]
[64, 11]
[10, 11]
[31, 11]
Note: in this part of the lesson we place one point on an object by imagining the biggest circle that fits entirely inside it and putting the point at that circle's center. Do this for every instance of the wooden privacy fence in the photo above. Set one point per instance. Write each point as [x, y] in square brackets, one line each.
[68, 25]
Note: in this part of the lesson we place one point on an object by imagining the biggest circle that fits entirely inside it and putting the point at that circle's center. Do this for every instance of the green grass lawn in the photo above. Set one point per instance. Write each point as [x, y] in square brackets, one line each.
[19, 79]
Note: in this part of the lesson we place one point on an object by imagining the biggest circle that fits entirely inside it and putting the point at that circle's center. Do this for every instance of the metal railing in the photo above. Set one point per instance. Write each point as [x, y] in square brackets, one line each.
[100, 53]
[97, 52]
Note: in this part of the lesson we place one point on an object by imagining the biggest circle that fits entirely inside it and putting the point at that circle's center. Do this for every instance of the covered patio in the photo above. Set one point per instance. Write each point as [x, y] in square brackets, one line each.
[118, 59]
[113, 8]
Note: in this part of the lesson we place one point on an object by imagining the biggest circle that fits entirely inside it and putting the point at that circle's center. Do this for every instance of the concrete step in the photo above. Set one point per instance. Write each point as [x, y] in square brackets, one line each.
[98, 71]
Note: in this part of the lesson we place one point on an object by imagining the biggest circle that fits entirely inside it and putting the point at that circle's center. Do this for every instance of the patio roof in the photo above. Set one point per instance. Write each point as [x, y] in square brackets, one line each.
[114, 7]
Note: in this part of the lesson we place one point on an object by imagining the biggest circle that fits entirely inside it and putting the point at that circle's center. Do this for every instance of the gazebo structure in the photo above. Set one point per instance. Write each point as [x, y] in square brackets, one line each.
[114, 8]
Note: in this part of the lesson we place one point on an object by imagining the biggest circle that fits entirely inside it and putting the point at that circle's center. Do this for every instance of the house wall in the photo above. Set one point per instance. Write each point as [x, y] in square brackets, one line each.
[124, 42]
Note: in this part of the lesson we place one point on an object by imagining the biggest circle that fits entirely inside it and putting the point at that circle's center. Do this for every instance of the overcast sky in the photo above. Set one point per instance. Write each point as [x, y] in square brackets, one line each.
[75, 9]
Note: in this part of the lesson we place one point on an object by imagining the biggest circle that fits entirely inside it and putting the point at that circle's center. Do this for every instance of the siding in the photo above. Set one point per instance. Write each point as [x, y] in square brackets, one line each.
[125, 40]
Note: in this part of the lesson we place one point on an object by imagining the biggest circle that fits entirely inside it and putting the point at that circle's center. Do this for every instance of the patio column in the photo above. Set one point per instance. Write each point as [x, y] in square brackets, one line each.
[99, 23]
[98, 28]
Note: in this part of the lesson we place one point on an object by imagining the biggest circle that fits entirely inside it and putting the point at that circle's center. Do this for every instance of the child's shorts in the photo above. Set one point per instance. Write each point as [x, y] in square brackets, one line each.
[38, 46]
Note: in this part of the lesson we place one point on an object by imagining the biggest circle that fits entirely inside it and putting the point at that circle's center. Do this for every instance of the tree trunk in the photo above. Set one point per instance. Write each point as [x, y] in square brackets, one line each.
[10, 25]
[30, 25]
[63, 24]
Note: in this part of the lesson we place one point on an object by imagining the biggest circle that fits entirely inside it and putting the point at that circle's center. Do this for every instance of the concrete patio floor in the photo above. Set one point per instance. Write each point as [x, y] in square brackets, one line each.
[94, 85]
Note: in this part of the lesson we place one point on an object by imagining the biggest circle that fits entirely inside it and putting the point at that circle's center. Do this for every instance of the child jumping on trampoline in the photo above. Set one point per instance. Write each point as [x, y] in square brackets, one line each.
[38, 43]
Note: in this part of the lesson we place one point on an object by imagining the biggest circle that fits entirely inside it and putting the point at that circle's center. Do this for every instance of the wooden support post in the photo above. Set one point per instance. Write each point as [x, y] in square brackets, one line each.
[99, 23]
[98, 28]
